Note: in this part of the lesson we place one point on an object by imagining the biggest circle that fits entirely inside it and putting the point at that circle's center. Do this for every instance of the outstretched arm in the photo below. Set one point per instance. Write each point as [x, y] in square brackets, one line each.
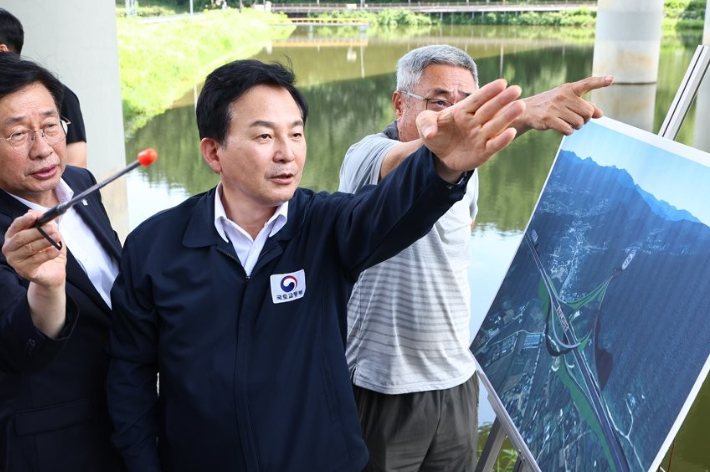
[562, 109]
[468, 134]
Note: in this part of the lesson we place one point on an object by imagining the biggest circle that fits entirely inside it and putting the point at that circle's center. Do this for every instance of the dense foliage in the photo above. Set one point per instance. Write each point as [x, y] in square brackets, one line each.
[580, 18]
[684, 14]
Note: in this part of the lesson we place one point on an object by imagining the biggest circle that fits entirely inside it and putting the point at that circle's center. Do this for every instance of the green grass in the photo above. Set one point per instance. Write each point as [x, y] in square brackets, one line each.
[160, 62]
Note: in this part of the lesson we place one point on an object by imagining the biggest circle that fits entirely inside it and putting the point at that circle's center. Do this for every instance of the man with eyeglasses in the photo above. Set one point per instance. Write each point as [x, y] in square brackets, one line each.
[12, 39]
[55, 309]
[408, 317]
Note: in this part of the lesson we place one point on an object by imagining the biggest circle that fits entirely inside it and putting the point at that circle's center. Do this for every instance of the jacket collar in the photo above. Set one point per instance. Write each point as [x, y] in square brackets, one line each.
[93, 216]
[90, 214]
[10, 206]
[200, 231]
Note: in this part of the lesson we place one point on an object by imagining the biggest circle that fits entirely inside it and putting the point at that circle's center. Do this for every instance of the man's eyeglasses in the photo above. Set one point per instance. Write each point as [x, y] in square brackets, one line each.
[433, 104]
[52, 133]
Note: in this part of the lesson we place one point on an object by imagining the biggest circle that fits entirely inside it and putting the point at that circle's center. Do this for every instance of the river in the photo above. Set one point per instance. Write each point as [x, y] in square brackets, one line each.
[348, 83]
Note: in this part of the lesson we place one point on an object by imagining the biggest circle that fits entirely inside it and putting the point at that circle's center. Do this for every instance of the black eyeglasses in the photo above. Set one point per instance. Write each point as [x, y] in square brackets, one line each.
[431, 103]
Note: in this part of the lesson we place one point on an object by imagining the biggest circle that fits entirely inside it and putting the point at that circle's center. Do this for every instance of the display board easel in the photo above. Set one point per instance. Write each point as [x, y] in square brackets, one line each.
[503, 426]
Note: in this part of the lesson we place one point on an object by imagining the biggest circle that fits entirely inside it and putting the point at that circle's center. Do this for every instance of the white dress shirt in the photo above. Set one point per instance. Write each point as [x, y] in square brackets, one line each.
[247, 249]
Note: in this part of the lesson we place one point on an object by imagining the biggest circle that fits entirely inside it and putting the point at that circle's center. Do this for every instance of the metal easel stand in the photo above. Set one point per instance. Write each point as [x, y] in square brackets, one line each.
[492, 448]
[502, 426]
[686, 93]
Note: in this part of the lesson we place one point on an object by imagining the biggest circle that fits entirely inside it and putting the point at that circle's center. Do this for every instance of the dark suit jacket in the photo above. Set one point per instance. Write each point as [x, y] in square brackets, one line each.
[53, 414]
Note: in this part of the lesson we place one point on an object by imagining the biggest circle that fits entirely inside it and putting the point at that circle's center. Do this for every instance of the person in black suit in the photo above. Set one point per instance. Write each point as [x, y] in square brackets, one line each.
[54, 303]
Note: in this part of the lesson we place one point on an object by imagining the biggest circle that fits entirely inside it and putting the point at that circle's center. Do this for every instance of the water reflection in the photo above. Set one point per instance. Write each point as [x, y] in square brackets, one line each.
[345, 107]
[348, 85]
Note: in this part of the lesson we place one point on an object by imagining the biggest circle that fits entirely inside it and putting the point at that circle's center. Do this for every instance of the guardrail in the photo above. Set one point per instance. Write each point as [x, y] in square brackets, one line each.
[461, 2]
[462, 6]
[330, 21]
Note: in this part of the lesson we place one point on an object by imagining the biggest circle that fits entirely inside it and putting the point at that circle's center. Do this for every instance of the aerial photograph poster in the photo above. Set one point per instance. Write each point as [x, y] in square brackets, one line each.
[598, 339]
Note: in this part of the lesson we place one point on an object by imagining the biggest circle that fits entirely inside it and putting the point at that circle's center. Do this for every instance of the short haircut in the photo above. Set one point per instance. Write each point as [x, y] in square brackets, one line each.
[411, 66]
[18, 73]
[229, 82]
[11, 33]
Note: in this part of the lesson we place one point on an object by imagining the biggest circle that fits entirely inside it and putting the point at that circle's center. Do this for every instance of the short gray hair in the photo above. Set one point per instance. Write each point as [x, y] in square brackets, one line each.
[411, 66]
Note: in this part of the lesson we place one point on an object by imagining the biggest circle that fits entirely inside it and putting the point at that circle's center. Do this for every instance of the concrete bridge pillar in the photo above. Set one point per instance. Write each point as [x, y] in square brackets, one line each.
[627, 45]
[76, 39]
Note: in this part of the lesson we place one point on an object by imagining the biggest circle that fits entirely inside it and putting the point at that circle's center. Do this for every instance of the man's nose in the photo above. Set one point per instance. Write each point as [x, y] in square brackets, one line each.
[284, 151]
[39, 147]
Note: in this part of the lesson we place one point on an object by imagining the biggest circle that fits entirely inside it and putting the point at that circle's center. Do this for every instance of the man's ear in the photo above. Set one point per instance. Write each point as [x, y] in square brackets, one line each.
[4, 48]
[210, 152]
[398, 104]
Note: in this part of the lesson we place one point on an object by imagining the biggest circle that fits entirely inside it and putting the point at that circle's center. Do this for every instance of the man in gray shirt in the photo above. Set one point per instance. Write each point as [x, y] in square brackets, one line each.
[408, 317]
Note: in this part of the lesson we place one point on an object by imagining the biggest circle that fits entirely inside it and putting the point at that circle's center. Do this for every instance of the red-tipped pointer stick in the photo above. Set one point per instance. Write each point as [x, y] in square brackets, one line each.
[145, 158]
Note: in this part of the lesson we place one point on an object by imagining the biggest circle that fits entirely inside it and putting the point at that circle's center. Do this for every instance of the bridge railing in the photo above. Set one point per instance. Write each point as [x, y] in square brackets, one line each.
[328, 21]
[479, 5]
[343, 6]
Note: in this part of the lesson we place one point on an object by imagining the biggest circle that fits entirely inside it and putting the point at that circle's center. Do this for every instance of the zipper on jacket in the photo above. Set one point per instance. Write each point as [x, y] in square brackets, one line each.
[249, 444]
[235, 259]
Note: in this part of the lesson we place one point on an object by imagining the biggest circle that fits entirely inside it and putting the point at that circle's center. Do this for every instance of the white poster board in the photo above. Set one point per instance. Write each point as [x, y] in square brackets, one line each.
[599, 337]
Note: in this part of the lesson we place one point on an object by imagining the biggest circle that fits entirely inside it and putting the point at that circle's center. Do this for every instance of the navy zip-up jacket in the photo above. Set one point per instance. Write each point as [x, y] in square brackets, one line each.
[252, 370]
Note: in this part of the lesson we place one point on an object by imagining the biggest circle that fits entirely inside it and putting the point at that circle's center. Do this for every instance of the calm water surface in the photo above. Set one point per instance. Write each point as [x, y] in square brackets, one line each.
[348, 84]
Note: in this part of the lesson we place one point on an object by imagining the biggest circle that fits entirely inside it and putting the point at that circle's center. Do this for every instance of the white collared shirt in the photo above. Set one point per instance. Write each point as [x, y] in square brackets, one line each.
[99, 266]
[247, 249]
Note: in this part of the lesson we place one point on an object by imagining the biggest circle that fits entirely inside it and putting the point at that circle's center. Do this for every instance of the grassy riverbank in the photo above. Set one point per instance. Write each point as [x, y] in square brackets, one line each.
[162, 61]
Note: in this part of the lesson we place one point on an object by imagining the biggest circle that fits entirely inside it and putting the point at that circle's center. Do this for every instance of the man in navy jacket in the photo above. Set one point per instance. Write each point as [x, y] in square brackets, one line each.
[237, 297]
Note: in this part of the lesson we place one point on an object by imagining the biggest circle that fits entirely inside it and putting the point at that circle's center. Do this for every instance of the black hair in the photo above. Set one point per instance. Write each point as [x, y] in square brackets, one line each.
[229, 82]
[11, 33]
[18, 73]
